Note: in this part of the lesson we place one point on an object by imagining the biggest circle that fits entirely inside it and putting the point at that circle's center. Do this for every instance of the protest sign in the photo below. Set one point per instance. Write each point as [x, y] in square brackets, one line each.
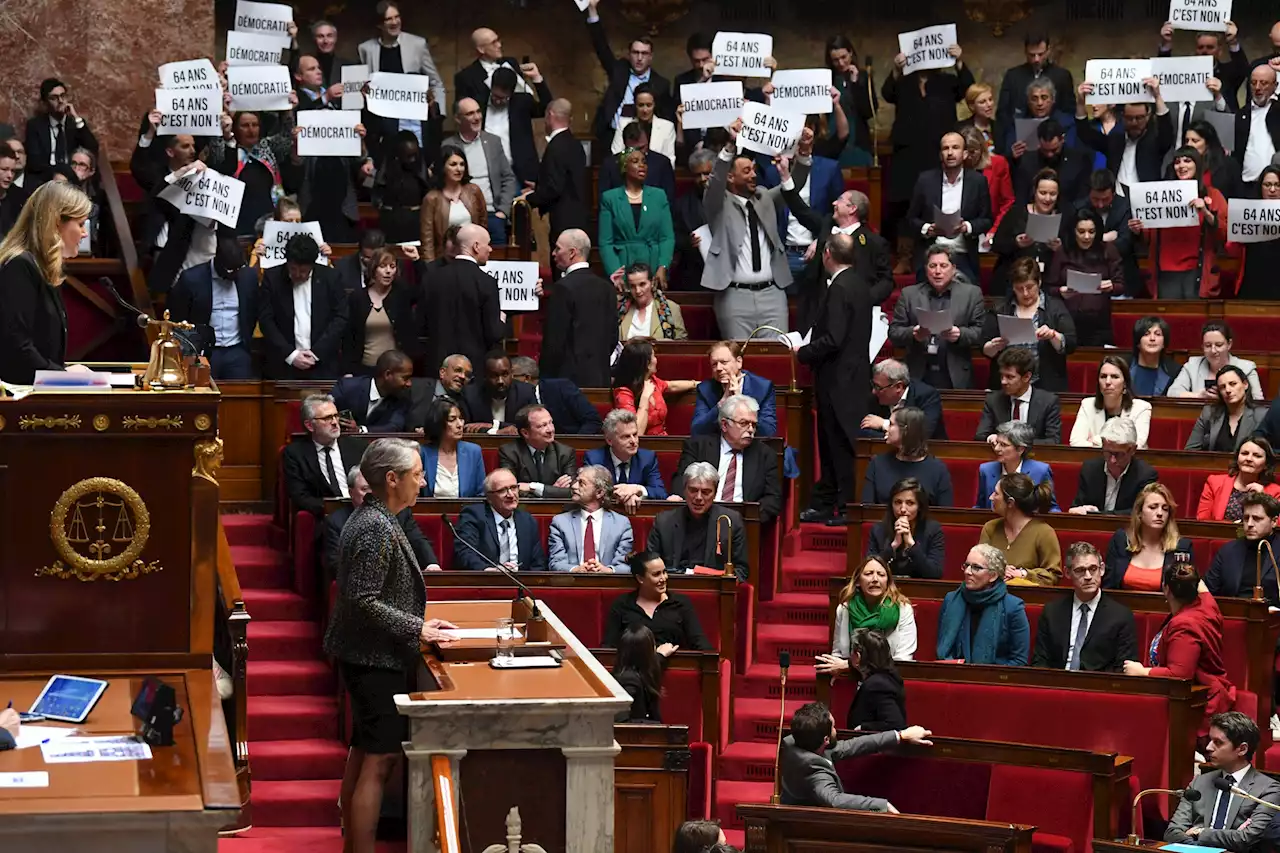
[711, 104]
[353, 79]
[265, 19]
[742, 54]
[328, 133]
[806, 91]
[1164, 204]
[189, 74]
[252, 49]
[767, 129]
[1225, 124]
[1183, 78]
[197, 112]
[207, 194]
[398, 95]
[1253, 220]
[1200, 14]
[276, 234]
[929, 47]
[259, 87]
[1118, 81]
[516, 281]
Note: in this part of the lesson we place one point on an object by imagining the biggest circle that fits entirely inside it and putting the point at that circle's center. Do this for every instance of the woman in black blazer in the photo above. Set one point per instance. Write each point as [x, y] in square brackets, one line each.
[909, 543]
[638, 669]
[394, 307]
[1056, 329]
[880, 704]
[33, 320]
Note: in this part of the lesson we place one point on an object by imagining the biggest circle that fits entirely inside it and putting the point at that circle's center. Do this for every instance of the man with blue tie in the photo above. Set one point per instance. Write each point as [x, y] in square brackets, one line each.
[590, 538]
[499, 530]
[635, 471]
[1087, 631]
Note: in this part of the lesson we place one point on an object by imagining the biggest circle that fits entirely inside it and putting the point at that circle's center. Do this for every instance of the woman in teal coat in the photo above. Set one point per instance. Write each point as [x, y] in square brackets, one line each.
[635, 220]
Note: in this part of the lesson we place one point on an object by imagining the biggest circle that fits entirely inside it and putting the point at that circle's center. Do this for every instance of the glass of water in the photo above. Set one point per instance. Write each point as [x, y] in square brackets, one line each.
[506, 642]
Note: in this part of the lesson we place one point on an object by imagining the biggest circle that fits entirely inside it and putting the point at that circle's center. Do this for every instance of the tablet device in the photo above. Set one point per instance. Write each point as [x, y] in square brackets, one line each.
[69, 698]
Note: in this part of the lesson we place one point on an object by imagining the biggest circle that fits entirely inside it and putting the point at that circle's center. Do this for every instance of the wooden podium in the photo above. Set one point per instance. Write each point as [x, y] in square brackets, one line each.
[796, 829]
[540, 740]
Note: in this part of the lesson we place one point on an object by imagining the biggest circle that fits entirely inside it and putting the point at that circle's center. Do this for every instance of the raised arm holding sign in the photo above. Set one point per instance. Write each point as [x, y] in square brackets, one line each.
[329, 133]
[189, 74]
[253, 49]
[274, 20]
[768, 129]
[207, 194]
[399, 95]
[1118, 81]
[805, 91]
[1210, 15]
[708, 105]
[927, 48]
[742, 54]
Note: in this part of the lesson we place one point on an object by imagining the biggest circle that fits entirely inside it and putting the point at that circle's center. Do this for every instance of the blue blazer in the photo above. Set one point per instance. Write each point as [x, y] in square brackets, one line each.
[706, 415]
[826, 183]
[642, 470]
[1013, 648]
[476, 526]
[470, 470]
[569, 407]
[613, 541]
[989, 474]
[353, 394]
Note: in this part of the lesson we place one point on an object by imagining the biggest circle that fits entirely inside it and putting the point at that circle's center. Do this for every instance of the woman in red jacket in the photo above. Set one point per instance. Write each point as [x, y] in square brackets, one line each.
[1186, 258]
[994, 168]
[1254, 470]
[1189, 644]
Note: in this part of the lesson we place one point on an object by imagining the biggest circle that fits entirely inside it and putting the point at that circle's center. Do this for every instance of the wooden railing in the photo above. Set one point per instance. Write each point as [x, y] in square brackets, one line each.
[231, 603]
[446, 817]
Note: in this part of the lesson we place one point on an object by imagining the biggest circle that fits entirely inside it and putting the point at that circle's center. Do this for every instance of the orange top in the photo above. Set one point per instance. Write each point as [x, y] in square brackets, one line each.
[1146, 580]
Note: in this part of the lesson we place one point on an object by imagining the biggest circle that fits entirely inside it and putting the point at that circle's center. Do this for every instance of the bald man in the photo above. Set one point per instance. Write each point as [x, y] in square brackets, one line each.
[461, 306]
[581, 329]
[561, 190]
[490, 169]
[475, 80]
[1258, 126]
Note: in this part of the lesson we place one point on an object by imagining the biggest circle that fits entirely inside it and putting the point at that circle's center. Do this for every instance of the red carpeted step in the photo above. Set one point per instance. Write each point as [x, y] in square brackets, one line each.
[289, 839]
[819, 537]
[277, 605]
[305, 758]
[810, 572]
[248, 529]
[756, 720]
[805, 642]
[292, 718]
[284, 640]
[746, 762]
[309, 802]
[792, 608]
[728, 795]
[261, 567]
[291, 678]
[761, 682]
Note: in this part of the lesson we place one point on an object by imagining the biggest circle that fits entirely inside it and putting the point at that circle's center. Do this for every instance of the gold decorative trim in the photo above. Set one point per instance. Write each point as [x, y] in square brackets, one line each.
[208, 455]
[101, 422]
[138, 422]
[49, 422]
[132, 525]
[203, 422]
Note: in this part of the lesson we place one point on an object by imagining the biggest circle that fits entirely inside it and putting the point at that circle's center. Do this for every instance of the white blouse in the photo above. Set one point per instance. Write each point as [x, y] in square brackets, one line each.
[1086, 431]
[446, 482]
[640, 322]
[662, 138]
[902, 639]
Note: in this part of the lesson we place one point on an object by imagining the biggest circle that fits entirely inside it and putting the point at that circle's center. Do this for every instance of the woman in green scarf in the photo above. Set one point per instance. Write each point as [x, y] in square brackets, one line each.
[871, 600]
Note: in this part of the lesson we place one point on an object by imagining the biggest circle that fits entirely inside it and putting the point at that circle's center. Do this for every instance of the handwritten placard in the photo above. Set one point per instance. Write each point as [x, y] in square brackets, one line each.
[398, 95]
[253, 49]
[264, 19]
[1183, 78]
[197, 112]
[1200, 14]
[276, 235]
[1164, 204]
[328, 133]
[927, 48]
[189, 74]
[803, 90]
[767, 129]
[1253, 220]
[353, 79]
[516, 281]
[742, 54]
[207, 194]
[706, 105]
[1118, 81]
[259, 87]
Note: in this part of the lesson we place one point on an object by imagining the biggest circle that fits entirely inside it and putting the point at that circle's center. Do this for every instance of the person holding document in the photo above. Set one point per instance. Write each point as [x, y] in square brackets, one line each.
[1028, 230]
[1087, 272]
[1033, 319]
[939, 322]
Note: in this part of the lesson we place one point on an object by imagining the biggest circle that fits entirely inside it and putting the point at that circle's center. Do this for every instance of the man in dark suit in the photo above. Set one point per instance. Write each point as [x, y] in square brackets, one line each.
[561, 192]
[1012, 101]
[544, 467]
[377, 403]
[1017, 400]
[660, 174]
[499, 530]
[336, 520]
[313, 467]
[623, 74]
[1149, 127]
[54, 132]
[220, 299]
[702, 67]
[692, 535]
[1110, 483]
[302, 347]
[1072, 165]
[580, 332]
[636, 475]
[497, 398]
[1258, 121]
[12, 197]
[459, 305]
[934, 195]
[1235, 566]
[325, 37]
[509, 114]
[166, 235]
[570, 409]
[687, 216]
[473, 81]
[837, 355]
[1088, 632]
[892, 389]
[1231, 74]
[748, 469]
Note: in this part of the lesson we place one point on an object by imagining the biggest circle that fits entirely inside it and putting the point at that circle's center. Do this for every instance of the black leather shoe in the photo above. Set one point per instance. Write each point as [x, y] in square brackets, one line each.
[838, 520]
[815, 516]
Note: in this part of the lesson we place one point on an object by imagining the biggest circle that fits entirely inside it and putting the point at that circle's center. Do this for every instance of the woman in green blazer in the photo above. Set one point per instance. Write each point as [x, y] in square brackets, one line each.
[635, 220]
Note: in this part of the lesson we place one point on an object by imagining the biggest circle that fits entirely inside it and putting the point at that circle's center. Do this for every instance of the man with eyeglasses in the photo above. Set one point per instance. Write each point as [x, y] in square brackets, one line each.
[1111, 483]
[315, 468]
[748, 469]
[499, 530]
[624, 74]
[1087, 632]
[50, 142]
[892, 389]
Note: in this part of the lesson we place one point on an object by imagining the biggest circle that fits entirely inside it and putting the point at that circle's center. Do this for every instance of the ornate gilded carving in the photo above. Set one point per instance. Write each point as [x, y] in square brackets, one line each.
[208, 460]
[101, 422]
[997, 14]
[139, 422]
[99, 515]
[203, 422]
[49, 422]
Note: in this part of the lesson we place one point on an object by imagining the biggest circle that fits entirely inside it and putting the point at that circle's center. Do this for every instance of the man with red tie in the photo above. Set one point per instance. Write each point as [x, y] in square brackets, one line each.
[748, 468]
[590, 537]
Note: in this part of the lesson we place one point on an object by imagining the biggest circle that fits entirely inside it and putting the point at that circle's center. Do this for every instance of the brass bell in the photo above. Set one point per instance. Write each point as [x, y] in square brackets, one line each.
[166, 370]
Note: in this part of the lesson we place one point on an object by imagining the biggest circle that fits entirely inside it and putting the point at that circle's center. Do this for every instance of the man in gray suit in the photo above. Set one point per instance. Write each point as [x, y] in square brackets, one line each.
[747, 261]
[488, 164]
[1220, 818]
[807, 765]
[590, 538]
[398, 52]
[945, 359]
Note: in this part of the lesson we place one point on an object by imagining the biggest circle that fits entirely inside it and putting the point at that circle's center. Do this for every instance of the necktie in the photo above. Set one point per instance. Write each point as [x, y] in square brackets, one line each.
[589, 541]
[1017, 410]
[331, 474]
[59, 144]
[753, 221]
[1186, 116]
[506, 541]
[622, 472]
[730, 478]
[1224, 803]
[537, 463]
[1082, 631]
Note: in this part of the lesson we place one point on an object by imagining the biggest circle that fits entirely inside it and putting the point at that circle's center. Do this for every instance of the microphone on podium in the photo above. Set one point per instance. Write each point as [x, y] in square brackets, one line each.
[1222, 783]
[1191, 795]
[784, 664]
[535, 621]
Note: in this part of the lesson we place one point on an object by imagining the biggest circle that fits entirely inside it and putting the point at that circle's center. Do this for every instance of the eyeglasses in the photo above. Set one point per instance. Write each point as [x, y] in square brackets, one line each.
[876, 386]
[1086, 571]
[973, 567]
[505, 490]
[327, 419]
[743, 424]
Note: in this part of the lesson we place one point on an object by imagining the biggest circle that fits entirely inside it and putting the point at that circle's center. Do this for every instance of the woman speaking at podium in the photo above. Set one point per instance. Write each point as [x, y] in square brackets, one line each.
[33, 321]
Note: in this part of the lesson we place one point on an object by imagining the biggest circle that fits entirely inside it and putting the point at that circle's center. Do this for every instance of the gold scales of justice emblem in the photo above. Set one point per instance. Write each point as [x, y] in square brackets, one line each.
[99, 528]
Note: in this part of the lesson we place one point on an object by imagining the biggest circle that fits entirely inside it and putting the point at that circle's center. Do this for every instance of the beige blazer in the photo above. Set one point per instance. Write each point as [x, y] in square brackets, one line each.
[655, 328]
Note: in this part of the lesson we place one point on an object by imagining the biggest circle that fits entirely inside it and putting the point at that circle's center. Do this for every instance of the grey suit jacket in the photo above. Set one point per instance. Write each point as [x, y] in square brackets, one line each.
[414, 55]
[613, 541]
[728, 223]
[809, 779]
[502, 179]
[1246, 820]
[1204, 434]
[560, 459]
[968, 312]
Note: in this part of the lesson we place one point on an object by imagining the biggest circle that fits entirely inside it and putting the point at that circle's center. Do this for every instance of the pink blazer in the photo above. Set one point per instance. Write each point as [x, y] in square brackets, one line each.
[1217, 491]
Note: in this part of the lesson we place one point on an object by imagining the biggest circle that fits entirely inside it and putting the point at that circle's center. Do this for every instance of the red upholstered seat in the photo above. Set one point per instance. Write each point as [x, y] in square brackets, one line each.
[1183, 329]
[922, 785]
[682, 700]
[490, 456]
[433, 528]
[1063, 821]
[1257, 333]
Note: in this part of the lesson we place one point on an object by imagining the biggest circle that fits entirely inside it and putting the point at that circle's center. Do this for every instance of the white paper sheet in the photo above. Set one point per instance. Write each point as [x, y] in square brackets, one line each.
[704, 241]
[796, 340]
[34, 735]
[478, 633]
[1017, 330]
[1043, 227]
[1084, 282]
[72, 750]
[30, 779]
[936, 322]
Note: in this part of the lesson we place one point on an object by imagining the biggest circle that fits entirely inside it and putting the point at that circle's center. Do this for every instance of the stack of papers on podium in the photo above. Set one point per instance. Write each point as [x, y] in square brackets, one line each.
[80, 749]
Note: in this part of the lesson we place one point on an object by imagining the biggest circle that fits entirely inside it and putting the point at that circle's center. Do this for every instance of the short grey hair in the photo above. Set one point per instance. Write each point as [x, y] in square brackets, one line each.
[352, 473]
[578, 240]
[1120, 431]
[893, 370]
[941, 249]
[387, 455]
[323, 22]
[311, 402]
[601, 479]
[615, 419]
[448, 359]
[522, 365]
[701, 157]
[1021, 435]
[729, 406]
[994, 557]
[1042, 84]
[488, 478]
[861, 204]
[702, 472]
